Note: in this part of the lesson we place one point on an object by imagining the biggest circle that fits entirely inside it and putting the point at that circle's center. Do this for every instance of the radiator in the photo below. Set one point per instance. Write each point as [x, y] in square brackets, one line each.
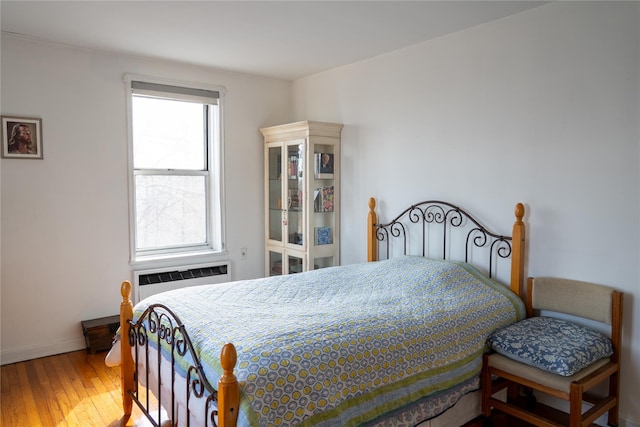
[150, 282]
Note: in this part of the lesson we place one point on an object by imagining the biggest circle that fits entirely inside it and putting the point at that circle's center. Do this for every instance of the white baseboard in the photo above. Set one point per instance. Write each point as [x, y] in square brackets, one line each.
[34, 352]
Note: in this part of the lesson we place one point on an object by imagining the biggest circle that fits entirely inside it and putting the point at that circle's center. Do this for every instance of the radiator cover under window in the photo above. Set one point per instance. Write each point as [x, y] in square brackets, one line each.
[150, 282]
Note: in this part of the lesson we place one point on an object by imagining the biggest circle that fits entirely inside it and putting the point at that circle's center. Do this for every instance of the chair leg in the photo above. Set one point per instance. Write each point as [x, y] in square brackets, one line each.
[614, 390]
[612, 420]
[575, 405]
[485, 385]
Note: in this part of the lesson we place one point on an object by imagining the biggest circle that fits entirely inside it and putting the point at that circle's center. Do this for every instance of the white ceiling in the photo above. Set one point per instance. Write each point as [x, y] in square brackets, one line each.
[282, 39]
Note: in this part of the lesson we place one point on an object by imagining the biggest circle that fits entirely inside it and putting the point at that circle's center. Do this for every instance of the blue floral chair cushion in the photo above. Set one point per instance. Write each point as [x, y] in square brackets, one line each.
[551, 344]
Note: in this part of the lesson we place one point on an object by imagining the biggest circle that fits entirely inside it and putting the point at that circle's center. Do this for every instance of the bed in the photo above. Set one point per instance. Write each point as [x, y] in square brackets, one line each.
[395, 341]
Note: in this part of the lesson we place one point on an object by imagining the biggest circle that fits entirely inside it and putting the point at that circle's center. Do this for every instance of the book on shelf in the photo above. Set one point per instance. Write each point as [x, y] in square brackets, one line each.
[323, 199]
[323, 165]
[323, 236]
[295, 196]
[295, 167]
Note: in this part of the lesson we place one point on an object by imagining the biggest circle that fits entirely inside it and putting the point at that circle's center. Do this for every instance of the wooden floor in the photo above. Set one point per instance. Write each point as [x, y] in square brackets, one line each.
[78, 389]
[71, 389]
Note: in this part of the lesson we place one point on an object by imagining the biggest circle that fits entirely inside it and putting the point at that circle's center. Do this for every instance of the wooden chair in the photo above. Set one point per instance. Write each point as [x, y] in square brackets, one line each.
[511, 368]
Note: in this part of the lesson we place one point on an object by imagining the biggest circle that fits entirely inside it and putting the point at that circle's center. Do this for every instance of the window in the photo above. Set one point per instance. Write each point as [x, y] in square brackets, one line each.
[175, 169]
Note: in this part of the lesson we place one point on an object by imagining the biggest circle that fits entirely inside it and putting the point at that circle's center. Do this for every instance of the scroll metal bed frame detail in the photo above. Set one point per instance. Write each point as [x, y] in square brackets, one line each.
[160, 325]
[165, 327]
[445, 214]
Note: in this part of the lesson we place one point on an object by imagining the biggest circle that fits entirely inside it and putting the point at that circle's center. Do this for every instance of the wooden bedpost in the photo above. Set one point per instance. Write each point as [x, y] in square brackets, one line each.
[517, 256]
[126, 358]
[228, 391]
[372, 241]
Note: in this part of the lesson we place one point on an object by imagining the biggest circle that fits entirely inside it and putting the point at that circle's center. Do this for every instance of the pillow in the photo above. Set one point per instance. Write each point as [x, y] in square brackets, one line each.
[551, 344]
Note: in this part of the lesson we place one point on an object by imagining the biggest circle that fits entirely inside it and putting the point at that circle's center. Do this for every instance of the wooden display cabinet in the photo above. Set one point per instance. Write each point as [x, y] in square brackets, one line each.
[302, 196]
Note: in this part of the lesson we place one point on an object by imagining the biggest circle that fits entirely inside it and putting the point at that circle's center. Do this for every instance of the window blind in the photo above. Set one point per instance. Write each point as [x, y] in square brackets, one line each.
[185, 93]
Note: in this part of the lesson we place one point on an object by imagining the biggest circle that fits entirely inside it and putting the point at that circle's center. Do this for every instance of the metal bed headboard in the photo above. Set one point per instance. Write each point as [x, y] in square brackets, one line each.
[446, 217]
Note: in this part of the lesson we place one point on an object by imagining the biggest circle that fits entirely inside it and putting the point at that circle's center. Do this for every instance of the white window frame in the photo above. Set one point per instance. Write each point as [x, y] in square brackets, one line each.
[214, 247]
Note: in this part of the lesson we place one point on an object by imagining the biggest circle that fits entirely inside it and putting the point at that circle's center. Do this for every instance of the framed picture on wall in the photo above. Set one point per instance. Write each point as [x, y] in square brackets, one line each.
[21, 137]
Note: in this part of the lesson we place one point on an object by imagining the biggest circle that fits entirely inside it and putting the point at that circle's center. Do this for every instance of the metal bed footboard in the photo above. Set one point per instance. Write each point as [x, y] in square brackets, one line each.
[160, 327]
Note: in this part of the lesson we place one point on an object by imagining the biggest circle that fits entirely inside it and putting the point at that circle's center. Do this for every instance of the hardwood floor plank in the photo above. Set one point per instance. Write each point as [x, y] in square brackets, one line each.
[45, 381]
[70, 400]
[9, 378]
[65, 377]
[12, 412]
[42, 375]
[54, 377]
[11, 404]
[108, 376]
[68, 409]
[84, 409]
[101, 400]
[26, 394]
[9, 386]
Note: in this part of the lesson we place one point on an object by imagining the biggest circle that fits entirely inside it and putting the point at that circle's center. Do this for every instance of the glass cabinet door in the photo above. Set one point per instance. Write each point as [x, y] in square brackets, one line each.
[275, 263]
[323, 262]
[274, 182]
[294, 222]
[323, 216]
[280, 263]
[295, 264]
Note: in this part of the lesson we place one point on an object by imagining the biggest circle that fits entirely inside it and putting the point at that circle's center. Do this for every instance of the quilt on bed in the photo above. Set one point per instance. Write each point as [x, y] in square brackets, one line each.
[345, 345]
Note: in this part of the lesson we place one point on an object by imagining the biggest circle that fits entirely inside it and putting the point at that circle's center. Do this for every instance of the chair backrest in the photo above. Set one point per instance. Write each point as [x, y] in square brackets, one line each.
[582, 299]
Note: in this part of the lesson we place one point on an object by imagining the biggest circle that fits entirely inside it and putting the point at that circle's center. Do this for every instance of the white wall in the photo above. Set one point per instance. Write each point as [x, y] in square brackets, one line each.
[65, 218]
[541, 107]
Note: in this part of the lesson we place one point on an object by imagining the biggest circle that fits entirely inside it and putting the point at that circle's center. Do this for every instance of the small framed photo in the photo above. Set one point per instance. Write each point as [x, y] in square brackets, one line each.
[21, 137]
[324, 165]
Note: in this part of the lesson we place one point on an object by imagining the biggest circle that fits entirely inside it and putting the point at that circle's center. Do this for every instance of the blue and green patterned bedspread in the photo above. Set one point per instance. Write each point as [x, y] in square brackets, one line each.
[345, 345]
